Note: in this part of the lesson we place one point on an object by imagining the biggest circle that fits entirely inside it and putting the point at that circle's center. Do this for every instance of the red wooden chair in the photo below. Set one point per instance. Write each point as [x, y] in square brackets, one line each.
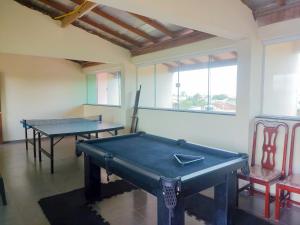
[265, 173]
[291, 184]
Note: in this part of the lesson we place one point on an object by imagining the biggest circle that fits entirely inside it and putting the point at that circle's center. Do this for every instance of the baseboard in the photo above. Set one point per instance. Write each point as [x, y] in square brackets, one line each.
[13, 141]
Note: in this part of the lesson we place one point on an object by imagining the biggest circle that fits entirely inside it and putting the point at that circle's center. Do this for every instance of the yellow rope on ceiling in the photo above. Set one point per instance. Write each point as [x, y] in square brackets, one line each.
[77, 8]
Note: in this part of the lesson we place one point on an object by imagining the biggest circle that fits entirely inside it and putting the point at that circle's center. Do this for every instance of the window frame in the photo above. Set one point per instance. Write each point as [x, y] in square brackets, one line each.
[195, 54]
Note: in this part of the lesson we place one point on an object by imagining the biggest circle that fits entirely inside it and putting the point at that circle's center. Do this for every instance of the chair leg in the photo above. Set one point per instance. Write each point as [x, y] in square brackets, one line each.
[288, 200]
[2, 192]
[267, 201]
[282, 198]
[237, 192]
[277, 202]
[251, 188]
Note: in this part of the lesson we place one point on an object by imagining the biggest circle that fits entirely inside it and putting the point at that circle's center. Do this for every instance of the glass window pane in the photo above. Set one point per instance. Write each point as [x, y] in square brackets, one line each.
[193, 85]
[193, 90]
[281, 79]
[91, 89]
[146, 79]
[108, 85]
[223, 82]
[166, 90]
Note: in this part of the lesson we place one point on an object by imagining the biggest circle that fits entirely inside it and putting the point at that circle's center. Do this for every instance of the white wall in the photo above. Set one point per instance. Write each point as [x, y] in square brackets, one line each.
[38, 87]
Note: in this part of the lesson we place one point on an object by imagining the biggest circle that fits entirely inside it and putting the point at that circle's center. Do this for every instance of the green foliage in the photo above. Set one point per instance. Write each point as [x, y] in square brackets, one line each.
[188, 102]
[201, 101]
[219, 97]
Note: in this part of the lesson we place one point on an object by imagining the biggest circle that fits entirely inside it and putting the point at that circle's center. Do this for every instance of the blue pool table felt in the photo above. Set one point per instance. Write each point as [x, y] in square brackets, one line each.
[157, 154]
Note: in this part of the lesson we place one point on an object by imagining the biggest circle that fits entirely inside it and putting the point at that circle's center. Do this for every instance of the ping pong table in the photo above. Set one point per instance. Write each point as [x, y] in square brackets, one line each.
[57, 129]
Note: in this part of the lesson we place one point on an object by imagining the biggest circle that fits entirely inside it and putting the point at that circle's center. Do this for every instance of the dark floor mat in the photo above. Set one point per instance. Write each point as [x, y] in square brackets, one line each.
[71, 208]
[202, 208]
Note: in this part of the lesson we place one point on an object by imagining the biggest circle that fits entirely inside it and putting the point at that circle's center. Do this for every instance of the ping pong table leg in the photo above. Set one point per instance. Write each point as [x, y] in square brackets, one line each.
[26, 138]
[34, 143]
[116, 132]
[39, 146]
[97, 136]
[52, 154]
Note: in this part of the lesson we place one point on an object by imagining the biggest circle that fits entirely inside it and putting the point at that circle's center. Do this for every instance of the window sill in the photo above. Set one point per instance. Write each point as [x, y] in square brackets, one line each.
[103, 105]
[191, 111]
[290, 118]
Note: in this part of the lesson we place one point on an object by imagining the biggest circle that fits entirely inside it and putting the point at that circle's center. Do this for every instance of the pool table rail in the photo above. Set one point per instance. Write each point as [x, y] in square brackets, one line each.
[150, 180]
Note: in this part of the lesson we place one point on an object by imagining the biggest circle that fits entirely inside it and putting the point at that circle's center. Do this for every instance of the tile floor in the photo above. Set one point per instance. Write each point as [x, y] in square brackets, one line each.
[27, 181]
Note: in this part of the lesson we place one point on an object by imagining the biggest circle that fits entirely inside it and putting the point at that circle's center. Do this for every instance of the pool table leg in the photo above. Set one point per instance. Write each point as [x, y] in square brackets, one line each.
[92, 179]
[52, 155]
[225, 200]
[163, 212]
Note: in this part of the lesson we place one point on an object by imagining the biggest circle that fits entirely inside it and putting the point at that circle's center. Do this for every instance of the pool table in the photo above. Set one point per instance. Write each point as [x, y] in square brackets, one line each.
[149, 162]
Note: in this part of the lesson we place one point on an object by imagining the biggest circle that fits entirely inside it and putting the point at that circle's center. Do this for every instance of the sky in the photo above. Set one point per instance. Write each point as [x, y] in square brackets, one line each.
[223, 80]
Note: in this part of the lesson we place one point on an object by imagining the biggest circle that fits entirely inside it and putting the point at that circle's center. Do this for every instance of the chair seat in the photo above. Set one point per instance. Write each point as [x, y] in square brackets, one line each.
[257, 172]
[291, 181]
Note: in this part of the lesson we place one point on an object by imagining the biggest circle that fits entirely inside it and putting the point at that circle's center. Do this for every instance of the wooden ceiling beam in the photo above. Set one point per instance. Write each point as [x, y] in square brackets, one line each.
[110, 31]
[171, 43]
[234, 54]
[85, 64]
[91, 22]
[119, 22]
[112, 40]
[274, 8]
[155, 24]
[88, 64]
[85, 7]
[169, 66]
[179, 63]
[281, 2]
[195, 61]
[184, 31]
[215, 58]
[56, 5]
[269, 15]
[221, 63]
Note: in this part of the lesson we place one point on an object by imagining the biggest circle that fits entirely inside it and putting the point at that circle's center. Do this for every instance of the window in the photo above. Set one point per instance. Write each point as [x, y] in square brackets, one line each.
[203, 83]
[281, 91]
[104, 88]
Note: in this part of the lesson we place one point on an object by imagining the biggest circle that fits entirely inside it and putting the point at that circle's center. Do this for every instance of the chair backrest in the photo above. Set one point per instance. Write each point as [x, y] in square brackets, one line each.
[269, 147]
[293, 137]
